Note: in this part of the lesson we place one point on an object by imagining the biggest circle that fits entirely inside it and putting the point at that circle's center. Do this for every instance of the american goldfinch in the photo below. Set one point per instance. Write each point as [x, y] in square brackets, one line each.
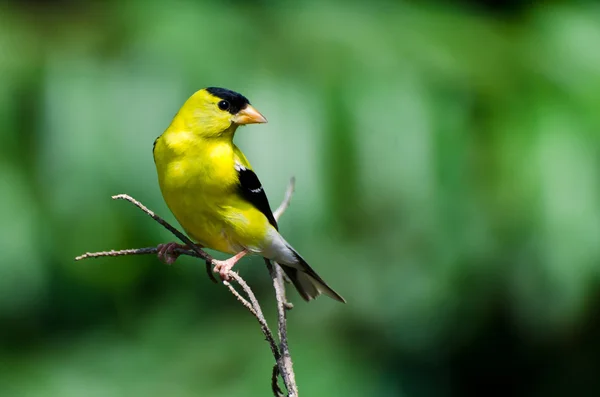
[209, 185]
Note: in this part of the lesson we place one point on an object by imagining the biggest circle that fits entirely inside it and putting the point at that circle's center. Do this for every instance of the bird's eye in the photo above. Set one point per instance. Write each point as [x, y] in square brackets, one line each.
[223, 105]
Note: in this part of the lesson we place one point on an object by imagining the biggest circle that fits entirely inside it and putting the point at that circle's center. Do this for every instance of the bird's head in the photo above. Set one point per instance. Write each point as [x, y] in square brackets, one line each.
[217, 111]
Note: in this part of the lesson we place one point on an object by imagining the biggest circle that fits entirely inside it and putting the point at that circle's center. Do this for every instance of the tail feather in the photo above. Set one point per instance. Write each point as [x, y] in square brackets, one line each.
[302, 282]
[308, 283]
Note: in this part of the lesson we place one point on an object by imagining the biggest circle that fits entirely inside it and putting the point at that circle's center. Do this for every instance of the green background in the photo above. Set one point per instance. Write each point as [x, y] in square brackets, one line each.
[447, 161]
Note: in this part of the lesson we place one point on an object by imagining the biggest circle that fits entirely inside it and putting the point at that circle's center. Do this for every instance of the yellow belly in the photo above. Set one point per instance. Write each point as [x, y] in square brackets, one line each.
[227, 223]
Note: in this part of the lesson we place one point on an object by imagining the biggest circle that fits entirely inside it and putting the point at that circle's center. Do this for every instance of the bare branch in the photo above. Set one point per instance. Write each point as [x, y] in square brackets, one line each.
[243, 300]
[134, 251]
[277, 392]
[255, 309]
[285, 363]
[281, 352]
[287, 198]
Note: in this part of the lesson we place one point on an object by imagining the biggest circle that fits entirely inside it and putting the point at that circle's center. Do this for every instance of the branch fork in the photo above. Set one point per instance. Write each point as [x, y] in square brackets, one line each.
[280, 351]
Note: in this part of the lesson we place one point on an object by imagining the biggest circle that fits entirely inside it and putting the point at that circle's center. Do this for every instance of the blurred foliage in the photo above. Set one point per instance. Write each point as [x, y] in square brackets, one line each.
[447, 158]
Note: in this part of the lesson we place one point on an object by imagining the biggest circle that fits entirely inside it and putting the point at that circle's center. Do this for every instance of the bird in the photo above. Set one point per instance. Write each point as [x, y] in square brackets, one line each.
[210, 187]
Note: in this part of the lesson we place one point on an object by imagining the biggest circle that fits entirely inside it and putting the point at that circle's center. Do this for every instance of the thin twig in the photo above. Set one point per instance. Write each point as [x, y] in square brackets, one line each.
[282, 330]
[134, 251]
[277, 392]
[287, 199]
[240, 298]
[207, 258]
[285, 363]
[255, 309]
[257, 314]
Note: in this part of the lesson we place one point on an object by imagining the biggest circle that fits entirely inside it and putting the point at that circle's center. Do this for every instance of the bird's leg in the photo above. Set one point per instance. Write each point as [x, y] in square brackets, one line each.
[166, 252]
[223, 267]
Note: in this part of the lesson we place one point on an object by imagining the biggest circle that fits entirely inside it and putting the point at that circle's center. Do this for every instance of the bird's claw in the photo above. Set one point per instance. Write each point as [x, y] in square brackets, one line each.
[166, 252]
[223, 268]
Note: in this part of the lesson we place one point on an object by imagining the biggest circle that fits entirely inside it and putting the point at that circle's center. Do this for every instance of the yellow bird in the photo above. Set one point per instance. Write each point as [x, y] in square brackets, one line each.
[210, 187]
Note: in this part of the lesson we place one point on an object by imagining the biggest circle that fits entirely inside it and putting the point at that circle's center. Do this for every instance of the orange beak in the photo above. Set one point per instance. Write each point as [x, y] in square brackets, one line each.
[249, 115]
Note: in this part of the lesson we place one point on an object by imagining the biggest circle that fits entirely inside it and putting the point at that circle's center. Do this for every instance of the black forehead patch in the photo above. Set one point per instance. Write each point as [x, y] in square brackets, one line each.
[236, 101]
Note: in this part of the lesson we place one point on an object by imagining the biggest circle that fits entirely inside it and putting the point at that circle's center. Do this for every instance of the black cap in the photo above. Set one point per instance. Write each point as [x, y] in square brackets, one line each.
[236, 101]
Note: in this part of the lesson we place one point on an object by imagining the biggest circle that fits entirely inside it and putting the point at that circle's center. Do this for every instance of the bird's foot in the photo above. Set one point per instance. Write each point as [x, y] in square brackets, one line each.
[166, 252]
[224, 267]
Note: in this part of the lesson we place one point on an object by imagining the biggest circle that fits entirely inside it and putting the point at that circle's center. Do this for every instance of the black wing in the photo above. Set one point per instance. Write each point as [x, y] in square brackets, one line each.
[251, 189]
